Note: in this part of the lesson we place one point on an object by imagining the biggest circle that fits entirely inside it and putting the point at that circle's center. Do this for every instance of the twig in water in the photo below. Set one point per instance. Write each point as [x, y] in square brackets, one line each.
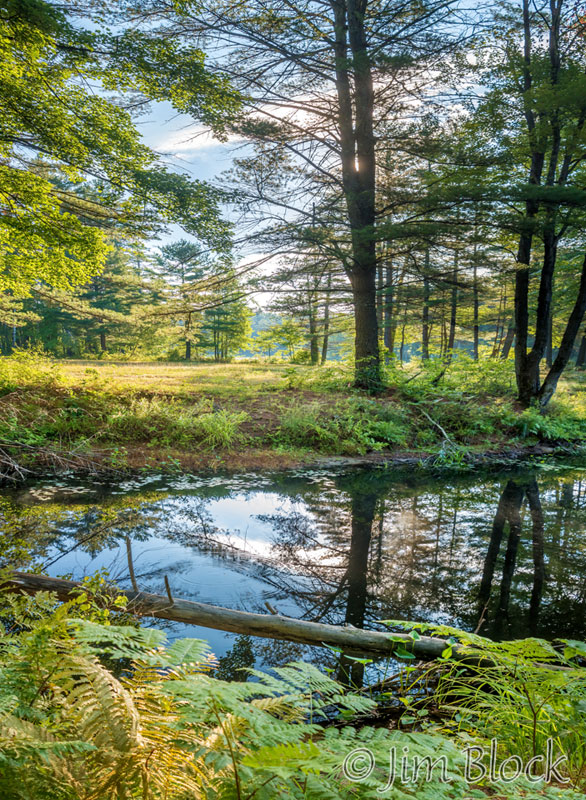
[169, 595]
[131, 565]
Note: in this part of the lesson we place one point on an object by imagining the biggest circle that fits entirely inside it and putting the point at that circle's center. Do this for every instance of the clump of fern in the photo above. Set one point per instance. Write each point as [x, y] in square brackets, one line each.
[91, 710]
[522, 694]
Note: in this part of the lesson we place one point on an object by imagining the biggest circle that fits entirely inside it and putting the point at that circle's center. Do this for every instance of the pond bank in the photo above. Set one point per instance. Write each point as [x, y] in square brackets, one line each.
[43, 462]
[57, 417]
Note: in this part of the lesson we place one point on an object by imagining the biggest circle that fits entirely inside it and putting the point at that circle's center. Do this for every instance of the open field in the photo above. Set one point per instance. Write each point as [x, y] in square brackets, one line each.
[251, 415]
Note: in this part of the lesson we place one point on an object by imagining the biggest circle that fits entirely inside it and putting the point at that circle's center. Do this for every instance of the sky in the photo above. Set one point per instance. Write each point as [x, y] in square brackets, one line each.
[184, 144]
[187, 147]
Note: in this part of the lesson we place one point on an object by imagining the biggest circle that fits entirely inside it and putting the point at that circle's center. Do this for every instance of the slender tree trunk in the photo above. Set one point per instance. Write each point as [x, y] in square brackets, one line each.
[499, 326]
[389, 328]
[188, 350]
[550, 383]
[313, 338]
[380, 300]
[476, 306]
[508, 343]
[425, 311]
[103, 346]
[581, 358]
[453, 307]
[402, 348]
[326, 323]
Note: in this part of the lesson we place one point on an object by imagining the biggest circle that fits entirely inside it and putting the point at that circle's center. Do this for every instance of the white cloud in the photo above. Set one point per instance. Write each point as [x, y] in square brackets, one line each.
[192, 139]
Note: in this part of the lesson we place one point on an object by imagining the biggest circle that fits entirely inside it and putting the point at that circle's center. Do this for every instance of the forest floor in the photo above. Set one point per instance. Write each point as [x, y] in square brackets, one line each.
[252, 415]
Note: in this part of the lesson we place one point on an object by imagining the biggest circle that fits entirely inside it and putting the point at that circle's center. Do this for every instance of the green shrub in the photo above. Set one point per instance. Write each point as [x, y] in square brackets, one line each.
[27, 368]
[167, 423]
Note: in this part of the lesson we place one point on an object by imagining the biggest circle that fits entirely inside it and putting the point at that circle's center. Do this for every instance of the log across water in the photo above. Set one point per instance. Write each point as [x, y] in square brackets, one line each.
[353, 641]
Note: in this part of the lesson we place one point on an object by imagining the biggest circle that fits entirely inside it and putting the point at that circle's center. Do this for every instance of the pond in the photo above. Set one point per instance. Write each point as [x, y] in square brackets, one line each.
[502, 554]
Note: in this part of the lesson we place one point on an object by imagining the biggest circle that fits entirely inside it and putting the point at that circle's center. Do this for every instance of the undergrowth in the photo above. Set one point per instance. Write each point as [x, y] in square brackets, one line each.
[93, 709]
[441, 414]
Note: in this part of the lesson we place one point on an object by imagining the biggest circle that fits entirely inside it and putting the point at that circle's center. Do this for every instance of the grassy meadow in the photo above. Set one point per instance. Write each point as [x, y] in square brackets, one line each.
[251, 414]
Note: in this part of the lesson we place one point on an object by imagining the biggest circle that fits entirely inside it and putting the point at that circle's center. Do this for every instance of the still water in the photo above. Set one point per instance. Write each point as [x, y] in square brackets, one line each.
[503, 554]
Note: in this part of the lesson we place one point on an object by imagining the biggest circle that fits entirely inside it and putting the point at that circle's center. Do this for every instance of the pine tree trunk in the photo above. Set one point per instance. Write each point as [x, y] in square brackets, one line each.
[357, 143]
[103, 347]
[425, 311]
[550, 383]
[326, 323]
[402, 348]
[526, 368]
[476, 303]
[380, 300]
[498, 334]
[453, 308]
[389, 329]
[581, 358]
[313, 340]
[508, 343]
[367, 368]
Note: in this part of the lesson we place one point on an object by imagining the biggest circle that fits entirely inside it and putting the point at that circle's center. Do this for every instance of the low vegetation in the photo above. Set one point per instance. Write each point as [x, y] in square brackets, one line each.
[99, 709]
[145, 415]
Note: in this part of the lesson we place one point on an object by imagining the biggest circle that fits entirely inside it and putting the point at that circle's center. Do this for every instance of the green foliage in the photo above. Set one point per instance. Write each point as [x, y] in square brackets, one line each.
[164, 727]
[56, 130]
[548, 426]
[350, 426]
[164, 423]
[518, 699]
[285, 408]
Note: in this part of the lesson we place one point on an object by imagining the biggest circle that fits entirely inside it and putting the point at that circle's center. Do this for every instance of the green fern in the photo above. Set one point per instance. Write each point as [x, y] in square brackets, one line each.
[167, 729]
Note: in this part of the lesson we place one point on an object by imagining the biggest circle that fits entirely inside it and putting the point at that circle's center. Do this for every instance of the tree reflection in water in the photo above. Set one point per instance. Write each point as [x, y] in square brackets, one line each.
[506, 557]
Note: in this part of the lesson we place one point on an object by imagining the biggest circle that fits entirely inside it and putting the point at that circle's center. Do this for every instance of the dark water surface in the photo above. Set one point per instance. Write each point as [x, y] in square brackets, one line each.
[353, 546]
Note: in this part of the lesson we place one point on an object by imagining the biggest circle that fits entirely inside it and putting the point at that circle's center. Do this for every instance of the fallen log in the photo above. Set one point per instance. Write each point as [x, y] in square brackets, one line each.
[353, 641]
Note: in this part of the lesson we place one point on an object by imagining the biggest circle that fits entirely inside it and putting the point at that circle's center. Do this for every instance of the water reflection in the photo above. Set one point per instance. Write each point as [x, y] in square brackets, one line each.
[503, 556]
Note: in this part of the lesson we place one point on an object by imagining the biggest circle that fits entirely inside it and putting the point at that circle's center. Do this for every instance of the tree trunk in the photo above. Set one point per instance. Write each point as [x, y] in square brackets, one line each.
[103, 347]
[313, 340]
[498, 334]
[326, 324]
[453, 308]
[425, 311]
[367, 368]
[352, 640]
[188, 350]
[508, 343]
[581, 358]
[527, 364]
[380, 300]
[389, 328]
[355, 124]
[402, 348]
[476, 304]
[550, 383]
